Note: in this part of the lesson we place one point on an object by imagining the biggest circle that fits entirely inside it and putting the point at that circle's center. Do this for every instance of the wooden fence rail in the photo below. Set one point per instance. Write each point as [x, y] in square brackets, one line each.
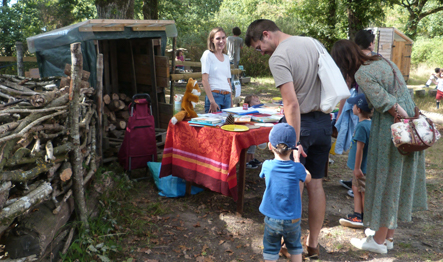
[14, 59]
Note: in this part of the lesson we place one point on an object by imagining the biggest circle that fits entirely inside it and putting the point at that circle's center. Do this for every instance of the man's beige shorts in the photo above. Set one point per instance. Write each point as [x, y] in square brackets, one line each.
[360, 183]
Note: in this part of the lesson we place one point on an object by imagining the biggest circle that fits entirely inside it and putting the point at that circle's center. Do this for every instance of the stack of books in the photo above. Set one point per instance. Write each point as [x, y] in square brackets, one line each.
[266, 119]
[206, 121]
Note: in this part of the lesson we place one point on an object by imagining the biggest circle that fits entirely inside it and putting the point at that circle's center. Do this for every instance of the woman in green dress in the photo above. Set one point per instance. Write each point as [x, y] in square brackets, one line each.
[395, 183]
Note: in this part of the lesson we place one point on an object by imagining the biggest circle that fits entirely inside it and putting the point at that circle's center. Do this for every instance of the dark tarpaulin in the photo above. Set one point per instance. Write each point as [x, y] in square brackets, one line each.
[53, 48]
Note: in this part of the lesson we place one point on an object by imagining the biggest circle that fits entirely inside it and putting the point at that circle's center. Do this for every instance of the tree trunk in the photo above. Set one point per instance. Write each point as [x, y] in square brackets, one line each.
[150, 9]
[76, 155]
[353, 22]
[115, 9]
[331, 21]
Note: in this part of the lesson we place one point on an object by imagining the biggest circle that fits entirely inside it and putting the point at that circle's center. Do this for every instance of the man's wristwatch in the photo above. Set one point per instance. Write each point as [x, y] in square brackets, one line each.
[298, 143]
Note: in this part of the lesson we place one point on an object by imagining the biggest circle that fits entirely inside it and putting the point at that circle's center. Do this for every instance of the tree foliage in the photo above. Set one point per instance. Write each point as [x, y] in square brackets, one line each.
[417, 10]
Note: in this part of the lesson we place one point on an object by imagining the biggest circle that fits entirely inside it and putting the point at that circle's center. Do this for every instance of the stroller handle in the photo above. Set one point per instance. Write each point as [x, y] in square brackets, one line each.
[138, 96]
[144, 95]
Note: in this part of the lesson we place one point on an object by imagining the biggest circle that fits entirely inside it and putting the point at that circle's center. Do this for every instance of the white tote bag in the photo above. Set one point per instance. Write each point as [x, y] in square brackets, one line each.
[333, 85]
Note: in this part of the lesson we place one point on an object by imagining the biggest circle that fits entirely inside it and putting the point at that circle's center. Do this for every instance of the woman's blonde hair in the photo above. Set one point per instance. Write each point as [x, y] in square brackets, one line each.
[211, 36]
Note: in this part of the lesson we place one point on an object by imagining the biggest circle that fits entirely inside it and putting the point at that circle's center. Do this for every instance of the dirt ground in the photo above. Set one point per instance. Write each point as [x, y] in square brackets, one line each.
[204, 227]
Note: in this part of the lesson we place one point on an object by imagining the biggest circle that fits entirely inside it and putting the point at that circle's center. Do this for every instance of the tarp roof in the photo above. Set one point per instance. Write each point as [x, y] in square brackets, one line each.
[100, 29]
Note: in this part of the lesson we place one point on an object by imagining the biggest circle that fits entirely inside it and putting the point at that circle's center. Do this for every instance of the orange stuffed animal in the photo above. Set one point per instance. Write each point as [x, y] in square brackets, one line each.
[190, 99]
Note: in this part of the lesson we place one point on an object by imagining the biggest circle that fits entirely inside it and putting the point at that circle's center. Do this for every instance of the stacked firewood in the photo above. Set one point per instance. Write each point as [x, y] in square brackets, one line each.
[35, 166]
[116, 112]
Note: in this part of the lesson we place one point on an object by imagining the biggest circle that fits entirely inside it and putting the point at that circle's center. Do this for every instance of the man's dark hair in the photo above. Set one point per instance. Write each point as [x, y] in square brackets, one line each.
[236, 31]
[364, 38]
[437, 70]
[256, 28]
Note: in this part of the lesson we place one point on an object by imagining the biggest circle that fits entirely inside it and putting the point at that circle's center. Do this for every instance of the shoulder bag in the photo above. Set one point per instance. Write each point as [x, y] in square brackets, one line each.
[410, 134]
[333, 85]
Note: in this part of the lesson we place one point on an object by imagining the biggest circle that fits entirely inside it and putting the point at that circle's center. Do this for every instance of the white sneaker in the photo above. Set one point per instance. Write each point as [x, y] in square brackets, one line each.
[369, 244]
[388, 242]
[350, 193]
[369, 232]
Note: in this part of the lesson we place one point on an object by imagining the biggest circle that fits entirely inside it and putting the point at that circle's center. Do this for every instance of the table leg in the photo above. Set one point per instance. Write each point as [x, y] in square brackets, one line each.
[188, 188]
[241, 179]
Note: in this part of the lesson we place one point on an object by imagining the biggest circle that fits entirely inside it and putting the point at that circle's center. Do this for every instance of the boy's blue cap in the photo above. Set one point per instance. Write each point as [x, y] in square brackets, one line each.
[360, 101]
[283, 133]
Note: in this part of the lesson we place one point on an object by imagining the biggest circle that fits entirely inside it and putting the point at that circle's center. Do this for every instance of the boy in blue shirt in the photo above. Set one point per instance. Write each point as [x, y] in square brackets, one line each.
[357, 159]
[281, 202]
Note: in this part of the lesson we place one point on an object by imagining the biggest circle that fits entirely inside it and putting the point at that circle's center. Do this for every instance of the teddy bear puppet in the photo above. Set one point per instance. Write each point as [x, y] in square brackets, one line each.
[190, 99]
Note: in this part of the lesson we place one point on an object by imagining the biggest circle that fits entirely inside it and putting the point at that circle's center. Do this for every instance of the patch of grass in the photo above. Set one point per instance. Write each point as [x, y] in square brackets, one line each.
[426, 103]
[156, 209]
[433, 156]
[339, 246]
[419, 74]
[404, 245]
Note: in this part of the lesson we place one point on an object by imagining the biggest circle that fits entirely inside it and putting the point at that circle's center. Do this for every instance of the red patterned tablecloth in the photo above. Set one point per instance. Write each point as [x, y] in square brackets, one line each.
[207, 156]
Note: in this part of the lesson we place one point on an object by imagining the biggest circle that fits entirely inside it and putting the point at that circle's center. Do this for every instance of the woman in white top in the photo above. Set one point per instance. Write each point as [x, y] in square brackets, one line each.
[216, 72]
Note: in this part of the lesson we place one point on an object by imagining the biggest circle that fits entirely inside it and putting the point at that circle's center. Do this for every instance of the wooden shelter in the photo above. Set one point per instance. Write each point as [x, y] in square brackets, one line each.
[133, 51]
[395, 46]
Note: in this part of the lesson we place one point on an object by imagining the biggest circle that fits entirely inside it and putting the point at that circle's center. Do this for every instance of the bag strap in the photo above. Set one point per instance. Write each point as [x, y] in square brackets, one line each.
[316, 44]
[397, 81]
[418, 135]
[393, 71]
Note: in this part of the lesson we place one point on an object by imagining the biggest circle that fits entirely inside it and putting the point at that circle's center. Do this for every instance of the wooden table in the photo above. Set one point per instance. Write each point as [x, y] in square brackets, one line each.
[208, 156]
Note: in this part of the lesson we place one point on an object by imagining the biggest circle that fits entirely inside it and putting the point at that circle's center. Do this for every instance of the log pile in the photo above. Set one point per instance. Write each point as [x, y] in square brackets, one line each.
[116, 116]
[35, 166]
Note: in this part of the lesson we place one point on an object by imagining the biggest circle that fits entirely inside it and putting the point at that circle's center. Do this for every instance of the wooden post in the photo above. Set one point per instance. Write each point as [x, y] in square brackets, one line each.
[107, 79]
[100, 107]
[174, 46]
[19, 47]
[154, 96]
[241, 182]
[134, 78]
[76, 154]
[113, 65]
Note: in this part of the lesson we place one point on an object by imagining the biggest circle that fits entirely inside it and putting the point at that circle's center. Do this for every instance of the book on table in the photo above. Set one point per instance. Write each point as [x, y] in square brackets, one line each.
[267, 119]
[242, 119]
[207, 120]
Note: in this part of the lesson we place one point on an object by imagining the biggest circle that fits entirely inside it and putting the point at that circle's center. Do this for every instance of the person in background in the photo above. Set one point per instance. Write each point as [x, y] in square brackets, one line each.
[357, 158]
[294, 66]
[234, 44]
[251, 161]
[439, 83]
[395, 183]
[281, 204]
[179, 57]
[216, 72]
[433, 77]
[365, 40]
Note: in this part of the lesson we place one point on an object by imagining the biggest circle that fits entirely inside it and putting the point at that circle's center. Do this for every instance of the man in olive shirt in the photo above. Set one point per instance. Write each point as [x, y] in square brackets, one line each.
[294, 66]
